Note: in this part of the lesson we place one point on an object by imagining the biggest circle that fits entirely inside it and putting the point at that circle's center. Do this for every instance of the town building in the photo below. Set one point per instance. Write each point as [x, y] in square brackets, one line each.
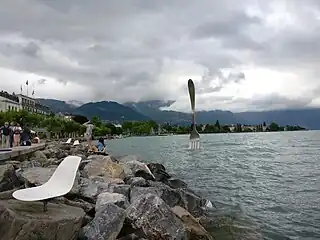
[18, 102]
[9, 102]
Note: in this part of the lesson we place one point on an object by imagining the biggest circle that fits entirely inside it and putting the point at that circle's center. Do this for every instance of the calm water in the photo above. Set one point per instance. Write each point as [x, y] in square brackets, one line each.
[273, 178]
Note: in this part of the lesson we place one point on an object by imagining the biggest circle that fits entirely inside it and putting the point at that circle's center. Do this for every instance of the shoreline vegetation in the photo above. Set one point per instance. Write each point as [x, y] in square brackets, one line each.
[112, 198]
[59, 127]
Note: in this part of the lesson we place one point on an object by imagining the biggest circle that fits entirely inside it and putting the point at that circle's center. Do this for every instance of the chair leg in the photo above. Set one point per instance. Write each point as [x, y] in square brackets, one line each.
[45, 205]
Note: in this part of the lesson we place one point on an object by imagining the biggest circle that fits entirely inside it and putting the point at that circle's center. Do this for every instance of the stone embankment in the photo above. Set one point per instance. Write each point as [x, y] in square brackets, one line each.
[112, 198]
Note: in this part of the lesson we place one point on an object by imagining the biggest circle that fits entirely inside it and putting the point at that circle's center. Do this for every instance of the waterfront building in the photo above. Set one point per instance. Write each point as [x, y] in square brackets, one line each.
[18, 102]
[9, 102]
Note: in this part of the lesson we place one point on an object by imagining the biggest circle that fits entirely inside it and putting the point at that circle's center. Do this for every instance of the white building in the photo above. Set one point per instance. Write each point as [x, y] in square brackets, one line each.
[9, 102]
[32, 105]
[13, 102]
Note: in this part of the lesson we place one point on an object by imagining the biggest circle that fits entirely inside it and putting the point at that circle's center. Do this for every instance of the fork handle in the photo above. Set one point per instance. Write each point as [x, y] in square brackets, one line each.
[194, 118]
[192, 94]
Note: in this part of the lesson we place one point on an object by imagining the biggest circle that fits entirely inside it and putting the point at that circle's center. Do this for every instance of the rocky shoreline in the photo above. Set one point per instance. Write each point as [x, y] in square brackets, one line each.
[112, 198]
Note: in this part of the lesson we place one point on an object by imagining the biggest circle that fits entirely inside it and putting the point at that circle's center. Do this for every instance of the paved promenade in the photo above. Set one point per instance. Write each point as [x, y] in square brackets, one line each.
[20, 151]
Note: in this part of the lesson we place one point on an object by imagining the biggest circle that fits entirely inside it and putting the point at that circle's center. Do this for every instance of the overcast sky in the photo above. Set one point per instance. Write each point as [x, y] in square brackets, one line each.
[251, 56]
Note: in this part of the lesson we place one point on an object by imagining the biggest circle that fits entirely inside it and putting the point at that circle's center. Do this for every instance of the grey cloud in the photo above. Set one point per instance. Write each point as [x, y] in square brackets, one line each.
[31, 50]
[276, 101]
[126, 50]
[231, 25]
[41, 81]
[221, 82]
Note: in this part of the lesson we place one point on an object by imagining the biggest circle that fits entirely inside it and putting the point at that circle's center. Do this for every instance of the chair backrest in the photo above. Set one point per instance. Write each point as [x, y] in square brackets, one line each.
[69, 140]
[76, 142]
[63, 178]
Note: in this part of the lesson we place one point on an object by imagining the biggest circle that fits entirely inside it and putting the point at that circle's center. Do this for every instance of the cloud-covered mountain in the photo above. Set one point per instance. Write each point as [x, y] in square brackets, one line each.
[146, 110]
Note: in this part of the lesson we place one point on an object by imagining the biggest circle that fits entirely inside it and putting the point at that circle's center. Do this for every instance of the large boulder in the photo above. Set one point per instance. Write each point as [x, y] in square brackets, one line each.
[185, 198]
[176, 183]
[26, 220]
[40, 157]
[78, 149]
[168, 195]
[8, 177]
[194, 203]
[104, 167]
[123, 189]
[159, 172]
[56, 151]
[107, 224]
[88, 189]
[115, 198]
[154, 218]
[195, 229]
[140, 169]
[138, 182]
[37, 175]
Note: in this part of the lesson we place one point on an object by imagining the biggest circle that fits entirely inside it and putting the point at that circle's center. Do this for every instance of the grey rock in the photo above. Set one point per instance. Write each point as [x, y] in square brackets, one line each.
[40, 157]
[176, 183]
[8, 178]
[128, 158]
[123, 189]
[170, 196]
[115, 198]
[104, 167]
[83, 164]
[140, 169]
[88, 189]
[159, 172]
[26, 220]
[194, 203]
[138, 182]
[106, 224]
[30, 164]
[185, 198]
[61, 154]
[154, 218]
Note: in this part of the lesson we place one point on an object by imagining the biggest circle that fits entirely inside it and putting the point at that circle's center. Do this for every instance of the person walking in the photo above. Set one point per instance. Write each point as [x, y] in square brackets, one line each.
[17, 135]
[11, 128]
[88, 134]
[26, 136]
[5, 135]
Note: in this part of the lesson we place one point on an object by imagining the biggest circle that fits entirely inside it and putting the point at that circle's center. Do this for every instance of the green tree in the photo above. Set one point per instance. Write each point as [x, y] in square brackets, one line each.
[217, 124]
[274, 127]
[96, 121]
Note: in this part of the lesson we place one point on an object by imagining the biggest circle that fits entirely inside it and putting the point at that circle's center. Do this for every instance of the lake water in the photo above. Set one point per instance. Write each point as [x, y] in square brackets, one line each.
[271, 178]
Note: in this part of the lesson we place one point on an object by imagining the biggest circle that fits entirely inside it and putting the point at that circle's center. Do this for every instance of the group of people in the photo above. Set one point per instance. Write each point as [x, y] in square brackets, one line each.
[100, 147]
[13, 135]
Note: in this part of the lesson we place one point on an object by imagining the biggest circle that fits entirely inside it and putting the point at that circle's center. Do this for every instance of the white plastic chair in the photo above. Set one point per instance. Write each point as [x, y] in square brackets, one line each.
[68, 141]
[59, 184]
[76, 142]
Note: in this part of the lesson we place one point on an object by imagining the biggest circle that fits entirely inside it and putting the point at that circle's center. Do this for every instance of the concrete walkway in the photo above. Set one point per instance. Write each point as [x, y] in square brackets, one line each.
[20, 151]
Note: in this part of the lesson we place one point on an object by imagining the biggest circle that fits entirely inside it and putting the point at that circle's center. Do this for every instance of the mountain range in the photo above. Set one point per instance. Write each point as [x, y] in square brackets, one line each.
[150, 110]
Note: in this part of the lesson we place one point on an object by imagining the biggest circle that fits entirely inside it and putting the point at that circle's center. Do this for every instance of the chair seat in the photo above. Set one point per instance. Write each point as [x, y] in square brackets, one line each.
[60, 183]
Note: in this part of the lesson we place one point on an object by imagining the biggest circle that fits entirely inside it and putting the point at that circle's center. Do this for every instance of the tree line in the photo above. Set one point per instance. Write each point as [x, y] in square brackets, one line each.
[151, 127]
[62, 127]
[56, 126]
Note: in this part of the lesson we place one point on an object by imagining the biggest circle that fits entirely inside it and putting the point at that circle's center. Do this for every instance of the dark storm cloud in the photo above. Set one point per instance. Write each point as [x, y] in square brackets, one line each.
[131, 50]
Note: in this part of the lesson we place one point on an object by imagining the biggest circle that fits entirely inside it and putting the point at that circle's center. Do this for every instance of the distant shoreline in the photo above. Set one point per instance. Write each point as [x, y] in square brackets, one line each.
[204, 133]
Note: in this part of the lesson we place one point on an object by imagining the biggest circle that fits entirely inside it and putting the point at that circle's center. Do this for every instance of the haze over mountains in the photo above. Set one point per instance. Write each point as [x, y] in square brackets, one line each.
[147, 110]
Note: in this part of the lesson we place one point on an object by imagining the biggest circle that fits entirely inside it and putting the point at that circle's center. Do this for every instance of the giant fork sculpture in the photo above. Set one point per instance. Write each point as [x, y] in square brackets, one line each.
[194, 135]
